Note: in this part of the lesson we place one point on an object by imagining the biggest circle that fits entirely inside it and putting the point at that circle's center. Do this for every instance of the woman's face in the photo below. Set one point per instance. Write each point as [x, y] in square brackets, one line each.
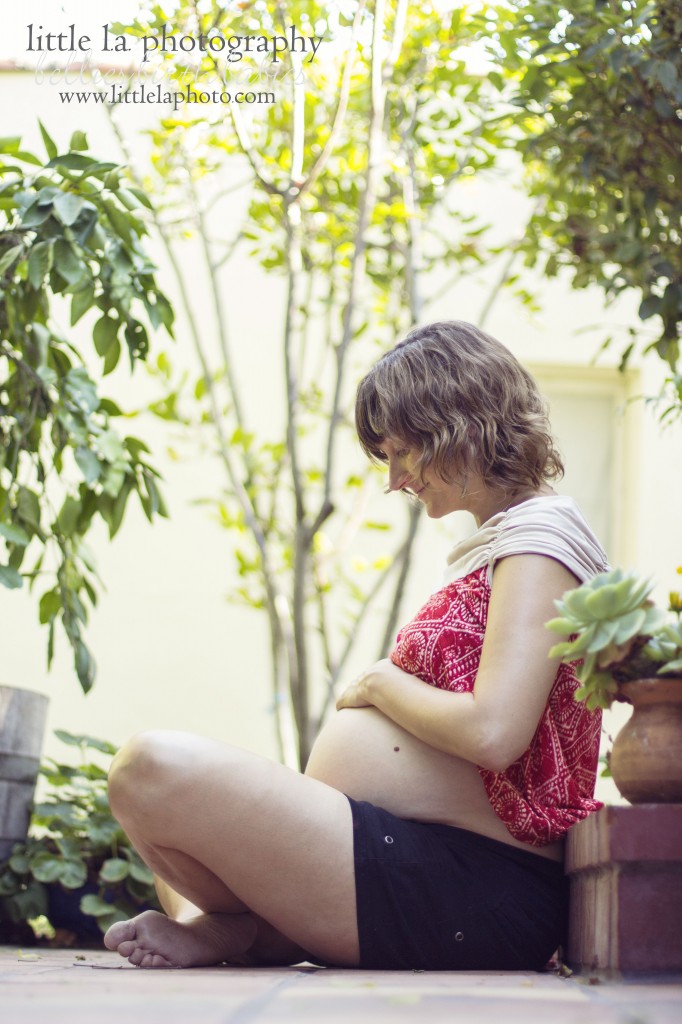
[438, 496]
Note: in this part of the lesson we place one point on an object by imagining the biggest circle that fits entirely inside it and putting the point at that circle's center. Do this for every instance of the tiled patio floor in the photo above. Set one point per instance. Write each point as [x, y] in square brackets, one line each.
[67, 987]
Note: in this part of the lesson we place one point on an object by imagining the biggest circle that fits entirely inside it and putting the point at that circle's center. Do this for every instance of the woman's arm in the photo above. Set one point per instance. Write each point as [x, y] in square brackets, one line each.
[493, 725]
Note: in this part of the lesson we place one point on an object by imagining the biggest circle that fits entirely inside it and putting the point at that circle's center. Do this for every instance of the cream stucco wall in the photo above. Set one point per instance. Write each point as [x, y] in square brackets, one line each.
[171, 650]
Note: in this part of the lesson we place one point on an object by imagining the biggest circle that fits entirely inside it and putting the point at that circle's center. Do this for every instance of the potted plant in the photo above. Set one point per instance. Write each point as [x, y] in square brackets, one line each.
[71, 231]
[630, 650]
[76, 873]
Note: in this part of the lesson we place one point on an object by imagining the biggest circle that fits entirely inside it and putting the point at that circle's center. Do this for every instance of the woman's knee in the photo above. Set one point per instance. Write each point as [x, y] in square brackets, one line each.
[141, 771]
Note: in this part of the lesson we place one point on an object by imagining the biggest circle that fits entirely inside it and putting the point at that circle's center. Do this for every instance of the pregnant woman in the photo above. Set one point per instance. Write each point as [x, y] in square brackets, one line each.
[427, 831]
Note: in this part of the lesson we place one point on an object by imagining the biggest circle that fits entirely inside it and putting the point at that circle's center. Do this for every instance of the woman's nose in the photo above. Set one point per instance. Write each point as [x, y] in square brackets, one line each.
[398, 477]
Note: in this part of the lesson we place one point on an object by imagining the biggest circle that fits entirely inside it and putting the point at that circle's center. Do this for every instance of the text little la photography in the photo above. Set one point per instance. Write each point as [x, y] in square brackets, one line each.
[232, 47]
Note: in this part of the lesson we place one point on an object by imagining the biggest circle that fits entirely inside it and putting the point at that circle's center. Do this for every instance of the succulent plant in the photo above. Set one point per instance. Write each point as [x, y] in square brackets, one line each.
[617, 633]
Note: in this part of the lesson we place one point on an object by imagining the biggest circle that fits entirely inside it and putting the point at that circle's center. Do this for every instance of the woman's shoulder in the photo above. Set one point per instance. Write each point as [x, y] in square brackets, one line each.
[552, 525]
[544, 509]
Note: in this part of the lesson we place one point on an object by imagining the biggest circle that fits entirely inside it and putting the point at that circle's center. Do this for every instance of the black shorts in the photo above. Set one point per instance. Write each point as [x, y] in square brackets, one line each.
[437, 898]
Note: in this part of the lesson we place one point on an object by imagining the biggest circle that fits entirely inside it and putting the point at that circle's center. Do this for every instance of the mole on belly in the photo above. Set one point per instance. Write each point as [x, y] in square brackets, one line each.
[396, 748]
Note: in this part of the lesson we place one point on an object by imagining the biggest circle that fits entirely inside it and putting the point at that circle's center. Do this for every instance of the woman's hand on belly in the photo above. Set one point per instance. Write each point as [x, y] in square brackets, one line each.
[357, 694]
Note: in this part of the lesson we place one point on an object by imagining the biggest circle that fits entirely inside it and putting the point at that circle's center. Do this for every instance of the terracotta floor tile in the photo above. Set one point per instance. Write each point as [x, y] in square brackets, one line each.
[67, 987]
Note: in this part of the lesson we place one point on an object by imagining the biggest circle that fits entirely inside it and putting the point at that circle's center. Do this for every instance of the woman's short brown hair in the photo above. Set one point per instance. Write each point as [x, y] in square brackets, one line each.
[463, 402]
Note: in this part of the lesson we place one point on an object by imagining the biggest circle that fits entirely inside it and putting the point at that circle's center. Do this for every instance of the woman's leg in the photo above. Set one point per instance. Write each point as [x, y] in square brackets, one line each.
[264, 853]
[261, 943]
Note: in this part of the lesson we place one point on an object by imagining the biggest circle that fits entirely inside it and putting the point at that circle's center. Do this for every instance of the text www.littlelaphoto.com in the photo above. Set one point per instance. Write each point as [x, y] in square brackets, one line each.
[163, 96]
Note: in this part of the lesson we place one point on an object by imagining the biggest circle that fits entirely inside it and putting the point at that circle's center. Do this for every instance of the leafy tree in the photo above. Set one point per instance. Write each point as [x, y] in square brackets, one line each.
[70, 246]
[599, 94]
[349, 187]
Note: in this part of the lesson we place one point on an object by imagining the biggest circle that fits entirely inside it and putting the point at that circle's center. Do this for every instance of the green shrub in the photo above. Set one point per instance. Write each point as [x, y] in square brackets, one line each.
[74, 843]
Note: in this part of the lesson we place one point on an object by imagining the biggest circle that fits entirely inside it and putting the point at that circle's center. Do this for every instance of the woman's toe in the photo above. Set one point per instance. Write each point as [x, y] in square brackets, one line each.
[126, 948]
[160, 961]
[119, 932]
[137, 956]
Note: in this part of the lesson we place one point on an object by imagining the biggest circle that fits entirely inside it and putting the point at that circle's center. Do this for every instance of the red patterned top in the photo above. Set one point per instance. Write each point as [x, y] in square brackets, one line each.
[551, 786]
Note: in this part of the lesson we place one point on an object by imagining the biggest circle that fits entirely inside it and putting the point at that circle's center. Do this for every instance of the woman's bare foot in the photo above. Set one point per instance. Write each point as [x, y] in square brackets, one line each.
[154, 940]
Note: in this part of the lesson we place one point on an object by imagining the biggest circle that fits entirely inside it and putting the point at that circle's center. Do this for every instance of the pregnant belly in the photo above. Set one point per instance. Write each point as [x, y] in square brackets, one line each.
[367, 756]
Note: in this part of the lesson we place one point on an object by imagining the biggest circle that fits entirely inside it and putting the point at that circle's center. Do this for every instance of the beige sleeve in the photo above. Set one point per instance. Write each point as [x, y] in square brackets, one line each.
[552, 527]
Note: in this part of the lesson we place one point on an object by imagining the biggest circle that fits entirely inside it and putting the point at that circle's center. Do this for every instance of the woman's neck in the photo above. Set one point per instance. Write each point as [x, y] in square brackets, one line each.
[484, 502]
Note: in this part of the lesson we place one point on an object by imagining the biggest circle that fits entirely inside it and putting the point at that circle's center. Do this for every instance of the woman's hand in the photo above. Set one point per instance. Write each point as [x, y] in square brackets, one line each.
[359, 693]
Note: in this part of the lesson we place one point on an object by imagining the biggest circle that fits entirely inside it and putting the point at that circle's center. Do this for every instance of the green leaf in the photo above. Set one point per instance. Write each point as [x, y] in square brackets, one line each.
[46, 867]
[14, 534]
[78, 141]
[82, 301]
[135, 446]
[20, 862]
[70, 846]
[650, 305]
[104, 334]
[39, 263]
[67, 263]
[114, 870]
[67, 206]
[50, 605]
[111, 446]
[112, 357]
[666, 73]
[141, 873]
[82, 389]
[72, 162]
[49, 142]
[28, 158]
[142, 197]
[74, 874]
[16, 557]
[50, 643]
[10, 578]
[69, 513]
[85, 666]
[35, 215]
[120, 221]
[9, 257]
[95, 906]
[88, 464]
[129, 199]
[82, 740]
[10, 143]
[110, 408]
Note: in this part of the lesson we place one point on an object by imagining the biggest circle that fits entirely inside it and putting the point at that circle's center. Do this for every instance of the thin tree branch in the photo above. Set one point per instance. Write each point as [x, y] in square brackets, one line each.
[405, 559]
[506, 271]
[497, 287]
[219, 308]
[229, 251]
[294, 269]
[401, 556]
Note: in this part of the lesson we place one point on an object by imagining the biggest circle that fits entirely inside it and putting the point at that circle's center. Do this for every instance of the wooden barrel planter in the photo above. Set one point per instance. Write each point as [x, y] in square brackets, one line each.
[22, 726]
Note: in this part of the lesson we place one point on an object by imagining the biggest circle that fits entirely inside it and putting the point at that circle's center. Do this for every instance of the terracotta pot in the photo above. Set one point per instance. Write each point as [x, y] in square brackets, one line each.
[646, 760]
